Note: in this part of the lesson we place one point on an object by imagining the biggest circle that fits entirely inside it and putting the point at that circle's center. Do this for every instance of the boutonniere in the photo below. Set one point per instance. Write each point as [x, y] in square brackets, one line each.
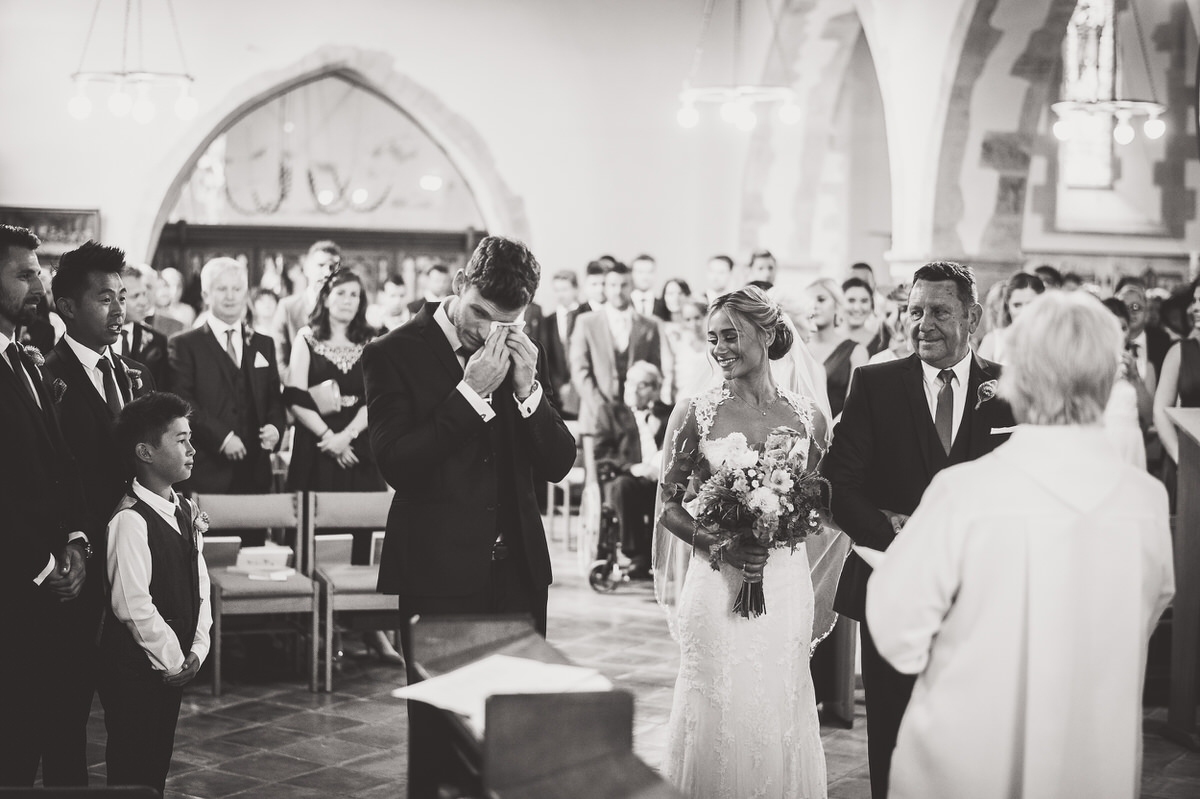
[200, 521]
[135, 378]
[35, 355]
[247, 336]
[987, 391]
[59, 387]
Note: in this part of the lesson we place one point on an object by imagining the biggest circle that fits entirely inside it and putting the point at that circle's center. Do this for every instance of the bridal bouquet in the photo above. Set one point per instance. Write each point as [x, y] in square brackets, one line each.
[771, 497]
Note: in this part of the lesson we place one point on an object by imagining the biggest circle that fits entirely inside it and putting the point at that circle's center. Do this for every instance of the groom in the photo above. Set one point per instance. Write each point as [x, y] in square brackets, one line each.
[903, 422]
[463, 429]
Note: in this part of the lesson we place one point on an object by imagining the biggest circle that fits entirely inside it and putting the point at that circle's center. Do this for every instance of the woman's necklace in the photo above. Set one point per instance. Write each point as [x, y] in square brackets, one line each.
[758, 408]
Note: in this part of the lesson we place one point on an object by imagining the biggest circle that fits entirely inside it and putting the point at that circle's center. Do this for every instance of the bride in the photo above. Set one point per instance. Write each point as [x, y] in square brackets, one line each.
[744, 718]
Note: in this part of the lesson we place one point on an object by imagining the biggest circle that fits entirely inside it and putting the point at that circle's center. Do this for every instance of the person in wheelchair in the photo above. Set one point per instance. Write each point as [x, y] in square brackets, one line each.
[628, 446]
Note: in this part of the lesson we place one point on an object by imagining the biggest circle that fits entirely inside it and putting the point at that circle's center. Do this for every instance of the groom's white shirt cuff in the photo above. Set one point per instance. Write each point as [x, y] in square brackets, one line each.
[484, 408]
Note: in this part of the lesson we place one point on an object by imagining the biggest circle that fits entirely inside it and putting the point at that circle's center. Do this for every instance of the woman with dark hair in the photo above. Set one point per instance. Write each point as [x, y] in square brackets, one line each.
[744, 718]
[1020, 290]
[675, 293]
[332, 449]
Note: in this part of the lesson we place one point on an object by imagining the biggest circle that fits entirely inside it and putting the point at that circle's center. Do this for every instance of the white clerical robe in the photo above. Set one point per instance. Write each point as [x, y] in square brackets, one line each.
[1023, 592]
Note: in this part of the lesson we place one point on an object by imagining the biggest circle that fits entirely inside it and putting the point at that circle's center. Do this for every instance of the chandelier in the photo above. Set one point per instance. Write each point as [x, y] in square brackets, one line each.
[737, 99]
[1092, 69]
[132, 83]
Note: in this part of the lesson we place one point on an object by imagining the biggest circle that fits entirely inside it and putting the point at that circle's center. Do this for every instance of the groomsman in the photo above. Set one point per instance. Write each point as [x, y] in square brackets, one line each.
[43, 564]
[903, 422]
[89, 384]
[228, 374]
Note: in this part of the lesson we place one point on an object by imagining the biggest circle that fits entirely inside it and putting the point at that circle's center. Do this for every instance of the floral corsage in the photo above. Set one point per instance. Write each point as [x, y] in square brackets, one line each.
[987, 391]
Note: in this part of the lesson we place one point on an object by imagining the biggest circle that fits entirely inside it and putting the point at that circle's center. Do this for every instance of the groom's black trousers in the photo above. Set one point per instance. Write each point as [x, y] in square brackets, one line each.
[887, 693]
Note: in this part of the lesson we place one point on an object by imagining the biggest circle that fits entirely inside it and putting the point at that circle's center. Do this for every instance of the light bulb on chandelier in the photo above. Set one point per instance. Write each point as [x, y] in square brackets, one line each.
[1062, 130]
[119, 102]
[80, 106]
[1154, 127]
[687, 116]
[1123, 131]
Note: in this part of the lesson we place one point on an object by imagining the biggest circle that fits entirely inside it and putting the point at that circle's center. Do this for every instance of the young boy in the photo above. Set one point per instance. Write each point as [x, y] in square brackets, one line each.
[156, 632]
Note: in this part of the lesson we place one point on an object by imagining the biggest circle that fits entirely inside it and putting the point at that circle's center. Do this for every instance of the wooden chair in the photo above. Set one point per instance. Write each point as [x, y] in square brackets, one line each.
[235, 594]
[575, 477]
[344, 586]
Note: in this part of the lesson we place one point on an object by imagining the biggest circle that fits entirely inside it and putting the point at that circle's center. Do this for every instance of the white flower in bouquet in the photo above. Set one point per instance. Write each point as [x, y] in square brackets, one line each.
[779, 481]
[764, 500]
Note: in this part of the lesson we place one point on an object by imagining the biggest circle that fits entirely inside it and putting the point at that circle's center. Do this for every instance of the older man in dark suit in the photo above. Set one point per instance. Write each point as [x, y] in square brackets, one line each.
[903, 422]
[90, 384]
[44, 562]
[228, 373]
[463, 430]
[629, 439]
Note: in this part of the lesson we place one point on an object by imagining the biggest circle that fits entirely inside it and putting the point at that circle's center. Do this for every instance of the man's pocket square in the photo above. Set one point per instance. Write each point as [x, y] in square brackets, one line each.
[260, 361]
[1003, 431]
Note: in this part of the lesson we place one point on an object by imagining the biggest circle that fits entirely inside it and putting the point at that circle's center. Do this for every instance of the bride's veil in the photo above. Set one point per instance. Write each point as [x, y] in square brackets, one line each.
[799, 373]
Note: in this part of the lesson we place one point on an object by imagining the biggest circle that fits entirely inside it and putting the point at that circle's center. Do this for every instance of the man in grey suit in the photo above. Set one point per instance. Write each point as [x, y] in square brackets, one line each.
[607, 340]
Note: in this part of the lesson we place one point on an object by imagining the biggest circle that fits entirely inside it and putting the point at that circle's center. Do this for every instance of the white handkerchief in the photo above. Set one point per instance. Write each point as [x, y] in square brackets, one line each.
[260, 361]
[1003, 431]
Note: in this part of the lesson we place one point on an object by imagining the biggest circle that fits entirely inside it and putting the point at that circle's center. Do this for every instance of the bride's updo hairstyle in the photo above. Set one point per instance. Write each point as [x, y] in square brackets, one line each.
[751, 307]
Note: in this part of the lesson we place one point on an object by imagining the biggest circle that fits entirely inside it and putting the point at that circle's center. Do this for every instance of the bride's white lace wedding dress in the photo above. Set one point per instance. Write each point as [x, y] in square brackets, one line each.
[744, 719]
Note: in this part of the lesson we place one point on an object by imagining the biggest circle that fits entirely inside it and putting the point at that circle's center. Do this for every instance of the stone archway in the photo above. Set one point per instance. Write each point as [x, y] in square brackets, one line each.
[503, 211]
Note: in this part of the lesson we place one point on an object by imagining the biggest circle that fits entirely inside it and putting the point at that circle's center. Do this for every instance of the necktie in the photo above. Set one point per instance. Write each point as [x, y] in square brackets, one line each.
[18, 367]
[229, 348]
[125, 350]
[943, 419]
[111, 395]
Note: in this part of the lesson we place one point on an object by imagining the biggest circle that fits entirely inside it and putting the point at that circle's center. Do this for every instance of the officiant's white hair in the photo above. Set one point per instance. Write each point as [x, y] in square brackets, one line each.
[1063, 354]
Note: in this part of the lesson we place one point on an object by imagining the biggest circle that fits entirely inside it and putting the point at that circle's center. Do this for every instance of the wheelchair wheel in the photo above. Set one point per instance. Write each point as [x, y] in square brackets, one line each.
[604, 576]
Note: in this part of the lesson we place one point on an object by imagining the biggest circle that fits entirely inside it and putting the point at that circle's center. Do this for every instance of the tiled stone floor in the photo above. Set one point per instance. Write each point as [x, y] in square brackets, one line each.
[279, 740]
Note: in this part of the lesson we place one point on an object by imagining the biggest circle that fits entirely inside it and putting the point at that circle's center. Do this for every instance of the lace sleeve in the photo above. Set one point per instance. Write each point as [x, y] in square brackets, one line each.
[672, 523]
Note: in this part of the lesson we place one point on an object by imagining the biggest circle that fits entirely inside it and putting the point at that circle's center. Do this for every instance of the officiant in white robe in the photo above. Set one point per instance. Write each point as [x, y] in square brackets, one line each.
[1024, 589]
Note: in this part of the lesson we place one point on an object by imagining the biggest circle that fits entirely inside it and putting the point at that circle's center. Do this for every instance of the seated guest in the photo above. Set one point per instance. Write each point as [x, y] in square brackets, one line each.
[157, 633]
[138, 340]
[228, 374]
[1020, 290]
[1024, 588]
[629, 439]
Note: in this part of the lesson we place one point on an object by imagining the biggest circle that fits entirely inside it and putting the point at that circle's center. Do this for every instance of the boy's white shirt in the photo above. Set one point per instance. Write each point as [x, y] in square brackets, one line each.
[129, 572]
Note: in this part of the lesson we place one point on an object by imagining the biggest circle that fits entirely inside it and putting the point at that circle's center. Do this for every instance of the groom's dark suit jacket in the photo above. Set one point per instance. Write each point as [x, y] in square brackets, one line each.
[87, 426]
[459, 480]
[885, 452]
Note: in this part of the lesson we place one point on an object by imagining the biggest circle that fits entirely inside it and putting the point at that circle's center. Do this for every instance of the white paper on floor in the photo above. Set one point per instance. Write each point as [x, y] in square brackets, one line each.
[465, 690]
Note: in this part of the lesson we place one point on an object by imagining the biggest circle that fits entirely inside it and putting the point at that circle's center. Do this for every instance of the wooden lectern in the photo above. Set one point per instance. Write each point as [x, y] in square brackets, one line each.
[535, 746]
[1185, 620]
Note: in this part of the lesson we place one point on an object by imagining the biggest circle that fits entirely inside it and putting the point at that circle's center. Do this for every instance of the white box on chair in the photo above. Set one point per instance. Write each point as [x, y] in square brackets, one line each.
[262, 559]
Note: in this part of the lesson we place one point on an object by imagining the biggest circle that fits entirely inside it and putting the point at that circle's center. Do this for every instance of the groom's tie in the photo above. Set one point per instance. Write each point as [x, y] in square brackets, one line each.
[943, 419]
